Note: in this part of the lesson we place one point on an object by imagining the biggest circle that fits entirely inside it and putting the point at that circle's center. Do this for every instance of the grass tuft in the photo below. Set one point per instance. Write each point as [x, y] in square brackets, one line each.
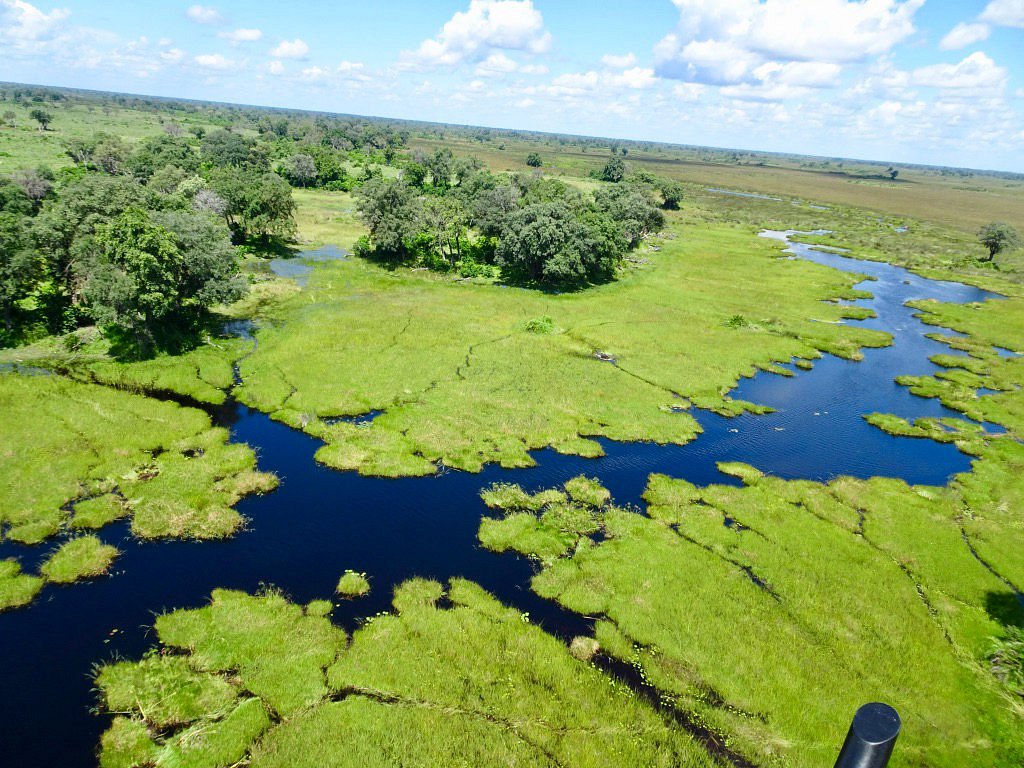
[353, 584]
[83, 557]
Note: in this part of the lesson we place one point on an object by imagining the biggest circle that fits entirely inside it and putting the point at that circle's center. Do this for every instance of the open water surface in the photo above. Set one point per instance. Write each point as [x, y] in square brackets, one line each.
[321, 522]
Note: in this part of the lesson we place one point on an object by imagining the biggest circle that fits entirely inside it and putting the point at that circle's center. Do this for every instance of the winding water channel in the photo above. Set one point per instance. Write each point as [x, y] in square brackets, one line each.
[320, 522]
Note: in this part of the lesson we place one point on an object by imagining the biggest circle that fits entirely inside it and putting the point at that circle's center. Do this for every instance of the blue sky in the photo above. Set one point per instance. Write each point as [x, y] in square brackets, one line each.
[914, 81]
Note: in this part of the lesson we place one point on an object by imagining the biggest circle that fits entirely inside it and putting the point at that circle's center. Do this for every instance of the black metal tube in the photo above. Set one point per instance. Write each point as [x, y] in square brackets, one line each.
[871, 738]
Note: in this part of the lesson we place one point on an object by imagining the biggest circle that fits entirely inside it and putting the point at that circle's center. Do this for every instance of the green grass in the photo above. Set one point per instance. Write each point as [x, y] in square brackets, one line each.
[166, 690]
[126, 744]
[16, 588]
[99, 511]
[79, 456]
[277, 651]
[463, 383]
[327, 218]
[353, 584]
[472, 683]
[83, 557]
[811, 601]
[546, 525]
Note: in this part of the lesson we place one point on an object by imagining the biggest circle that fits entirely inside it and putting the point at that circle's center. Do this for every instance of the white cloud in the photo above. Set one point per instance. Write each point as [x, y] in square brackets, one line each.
[688, 91]
[203, 14]
[172, 55]
[290, 49]
[498, 65]
[1004, 13]
[977, 73]
[618, 62]
[725, 41]
[350, 67]
[214, 61]
[524, 103]
[637, 78]
[315, 73]
[712, 61]
[486, 26]
[237, 36]
[963, 35]
[276, 68]
[1020, 93]
[495, 65]
[23, 22]
[765, 91]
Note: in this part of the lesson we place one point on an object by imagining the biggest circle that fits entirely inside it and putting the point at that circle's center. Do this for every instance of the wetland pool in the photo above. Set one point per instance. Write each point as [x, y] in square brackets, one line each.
[321, 522]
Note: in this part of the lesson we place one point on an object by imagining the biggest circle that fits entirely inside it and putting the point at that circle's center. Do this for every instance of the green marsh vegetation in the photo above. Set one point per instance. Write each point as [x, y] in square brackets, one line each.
[16, 588]
[79, 456]
[489, 388]
[81, 557]
[258, 679]
[353, 584]
[725, 600]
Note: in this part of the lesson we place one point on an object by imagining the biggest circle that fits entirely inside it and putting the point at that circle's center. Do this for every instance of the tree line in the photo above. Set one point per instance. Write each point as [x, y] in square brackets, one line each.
[451, 214]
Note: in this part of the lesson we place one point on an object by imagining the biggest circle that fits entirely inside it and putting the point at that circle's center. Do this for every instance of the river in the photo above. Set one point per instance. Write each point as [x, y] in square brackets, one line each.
[320, 522]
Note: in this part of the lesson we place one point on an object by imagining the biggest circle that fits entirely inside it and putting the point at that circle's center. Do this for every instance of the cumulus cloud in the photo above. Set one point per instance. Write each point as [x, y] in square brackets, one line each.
[495, 65]
[215, 61]
[276, 68]
[725, 42]
[977, 74]
[498, 65]
[23, 22]
[618, 62]
[203, 14]
[1004, 13]
[688, 91]
[963, 35]
[315, 73]
[485, 27]
[172, 55]
[237, 36]
[290, 49]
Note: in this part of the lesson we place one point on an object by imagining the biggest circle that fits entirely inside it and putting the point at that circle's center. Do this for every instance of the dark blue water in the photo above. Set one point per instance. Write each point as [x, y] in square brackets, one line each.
[321, 522]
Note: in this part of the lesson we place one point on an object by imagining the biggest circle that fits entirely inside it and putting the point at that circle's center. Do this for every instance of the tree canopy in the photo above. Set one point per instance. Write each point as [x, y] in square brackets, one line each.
[998, 237]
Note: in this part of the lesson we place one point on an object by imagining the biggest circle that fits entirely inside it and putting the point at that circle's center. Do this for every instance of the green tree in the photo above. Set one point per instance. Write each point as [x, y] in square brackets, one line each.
[300, 170]
[20, 268]
[446, 221]
[13, 198]
[161, 151]
[614, 170]
[42, 117]
[555, 242]
[131, 279]
[392, 213]
[533, 160]
[64, 229]
[632, 208]
[155, 276]
[441, 165]
[226, 148]
[998, 237]
[671, 193]
[257, 204]
[415, 174]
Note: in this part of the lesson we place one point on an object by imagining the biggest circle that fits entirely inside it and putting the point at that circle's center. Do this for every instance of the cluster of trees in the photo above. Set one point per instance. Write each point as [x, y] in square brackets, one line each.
[138, 240]
[450, 214]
